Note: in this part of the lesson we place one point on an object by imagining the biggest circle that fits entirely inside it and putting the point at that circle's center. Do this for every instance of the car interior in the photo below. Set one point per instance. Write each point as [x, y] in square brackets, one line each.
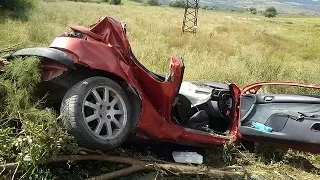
[213, 116]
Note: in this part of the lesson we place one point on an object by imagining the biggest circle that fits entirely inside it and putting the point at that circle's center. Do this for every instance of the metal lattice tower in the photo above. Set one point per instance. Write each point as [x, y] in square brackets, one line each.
[190, 16]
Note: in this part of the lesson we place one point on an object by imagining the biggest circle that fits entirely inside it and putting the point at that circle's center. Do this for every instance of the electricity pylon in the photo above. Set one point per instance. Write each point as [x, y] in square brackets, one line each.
[190, 18]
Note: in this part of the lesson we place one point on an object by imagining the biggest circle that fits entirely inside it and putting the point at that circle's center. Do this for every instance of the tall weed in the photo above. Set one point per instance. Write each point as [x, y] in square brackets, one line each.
[28, 133]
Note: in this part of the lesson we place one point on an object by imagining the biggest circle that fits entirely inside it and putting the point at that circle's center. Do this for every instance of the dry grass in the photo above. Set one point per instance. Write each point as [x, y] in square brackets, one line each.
[293, 166]
[229, 47]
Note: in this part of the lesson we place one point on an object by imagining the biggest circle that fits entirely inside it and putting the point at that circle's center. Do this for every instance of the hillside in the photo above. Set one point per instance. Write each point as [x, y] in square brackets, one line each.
[311, 7]
[229, 47]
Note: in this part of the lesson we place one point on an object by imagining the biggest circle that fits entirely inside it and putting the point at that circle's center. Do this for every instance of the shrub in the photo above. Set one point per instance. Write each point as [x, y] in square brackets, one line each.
[138, 1]
[177, 3]
[114, 2]
[152, 2]
[13, 5]
[270, 12]
[84, 1]
[253, 10]
[17, 8]
[28, 133]
[302, 14]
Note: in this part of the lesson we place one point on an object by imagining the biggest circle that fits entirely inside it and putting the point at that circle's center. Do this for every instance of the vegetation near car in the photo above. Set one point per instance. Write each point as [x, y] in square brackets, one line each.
[17, 8]
[28, 133]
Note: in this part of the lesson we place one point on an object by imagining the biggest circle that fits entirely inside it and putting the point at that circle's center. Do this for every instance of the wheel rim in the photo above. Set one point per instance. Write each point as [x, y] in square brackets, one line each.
[104, 112]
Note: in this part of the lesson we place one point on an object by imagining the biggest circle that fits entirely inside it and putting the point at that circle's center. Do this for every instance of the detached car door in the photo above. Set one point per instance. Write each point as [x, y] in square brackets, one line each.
[285, 119]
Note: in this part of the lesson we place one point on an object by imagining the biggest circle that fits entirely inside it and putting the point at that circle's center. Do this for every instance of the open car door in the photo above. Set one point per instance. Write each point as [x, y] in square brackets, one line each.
[284, 119]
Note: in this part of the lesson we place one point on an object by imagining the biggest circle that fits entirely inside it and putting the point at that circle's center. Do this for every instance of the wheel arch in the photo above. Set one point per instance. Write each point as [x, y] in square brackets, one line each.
[134, 98]
[52, 54]
[71, 77]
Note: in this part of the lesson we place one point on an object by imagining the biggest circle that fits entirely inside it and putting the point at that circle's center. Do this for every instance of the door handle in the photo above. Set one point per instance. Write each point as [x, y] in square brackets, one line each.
[268, 98]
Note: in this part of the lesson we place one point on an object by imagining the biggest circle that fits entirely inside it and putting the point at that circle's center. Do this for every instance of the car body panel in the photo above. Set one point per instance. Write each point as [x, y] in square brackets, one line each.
[49, 53]
[84, 51]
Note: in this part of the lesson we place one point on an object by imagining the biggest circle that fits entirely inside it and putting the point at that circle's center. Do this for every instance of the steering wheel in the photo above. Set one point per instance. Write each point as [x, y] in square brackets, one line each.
[225, 103]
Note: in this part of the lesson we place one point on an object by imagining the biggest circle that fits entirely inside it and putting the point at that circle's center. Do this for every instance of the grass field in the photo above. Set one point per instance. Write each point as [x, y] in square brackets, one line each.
[228, 47]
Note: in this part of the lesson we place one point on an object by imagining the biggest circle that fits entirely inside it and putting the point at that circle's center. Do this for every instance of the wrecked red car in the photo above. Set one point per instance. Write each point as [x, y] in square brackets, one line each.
[104, 94]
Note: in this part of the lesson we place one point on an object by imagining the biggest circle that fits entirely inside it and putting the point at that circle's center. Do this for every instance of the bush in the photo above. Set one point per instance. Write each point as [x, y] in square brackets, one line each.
[84, 1]
[152, 2]
[81, 1]
[114, 2]
[138, 1]
[253, 10]
[177, 3]
[270, 12]
[302, 14]
[28, 133]
[17, 8]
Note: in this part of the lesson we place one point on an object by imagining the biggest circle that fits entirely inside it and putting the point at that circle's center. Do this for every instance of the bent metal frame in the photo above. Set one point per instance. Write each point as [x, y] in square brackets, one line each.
[190, 18]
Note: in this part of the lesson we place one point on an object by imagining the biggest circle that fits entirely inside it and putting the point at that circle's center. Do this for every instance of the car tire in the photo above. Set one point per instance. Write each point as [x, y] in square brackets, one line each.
[97, 111]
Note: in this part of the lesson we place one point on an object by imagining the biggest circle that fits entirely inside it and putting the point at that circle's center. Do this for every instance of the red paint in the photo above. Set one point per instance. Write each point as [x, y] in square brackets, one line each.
[51, 70]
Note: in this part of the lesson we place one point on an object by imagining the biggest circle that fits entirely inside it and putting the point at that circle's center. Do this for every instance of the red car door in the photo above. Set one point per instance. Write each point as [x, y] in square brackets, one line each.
[282, 119]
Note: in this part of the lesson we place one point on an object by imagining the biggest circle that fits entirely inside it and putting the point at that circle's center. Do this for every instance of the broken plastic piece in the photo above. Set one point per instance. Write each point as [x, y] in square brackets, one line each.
[187, 157]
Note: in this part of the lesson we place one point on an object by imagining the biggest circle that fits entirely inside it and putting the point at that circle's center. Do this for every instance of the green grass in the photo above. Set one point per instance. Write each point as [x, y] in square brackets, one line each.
[27, 133]
[229, 47]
